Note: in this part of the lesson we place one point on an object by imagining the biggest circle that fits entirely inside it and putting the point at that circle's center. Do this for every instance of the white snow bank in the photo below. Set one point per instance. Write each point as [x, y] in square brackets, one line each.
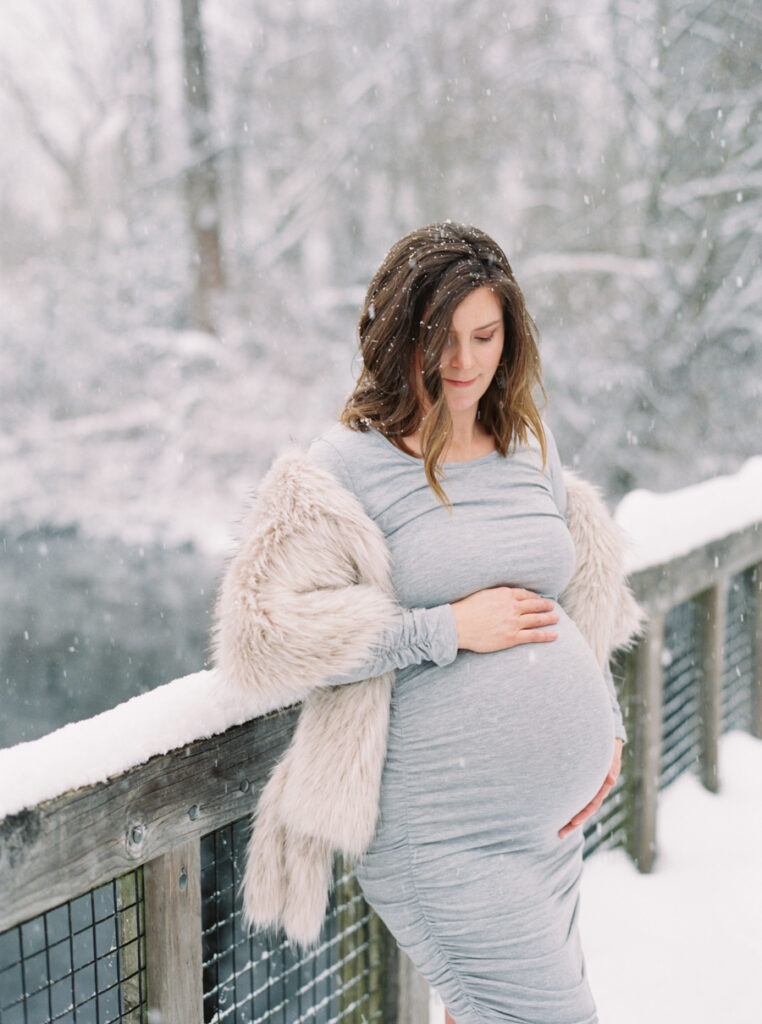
[663, 526]
[83, 753]
[684, 943]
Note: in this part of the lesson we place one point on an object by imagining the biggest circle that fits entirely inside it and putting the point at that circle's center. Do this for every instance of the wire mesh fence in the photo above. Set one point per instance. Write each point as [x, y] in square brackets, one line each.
[253, 978]
[681, 733]
[81, 963]
[84, 961]
[608, 829]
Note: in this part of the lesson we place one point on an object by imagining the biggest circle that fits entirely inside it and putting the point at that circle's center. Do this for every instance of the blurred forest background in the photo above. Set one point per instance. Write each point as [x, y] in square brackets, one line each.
[193, 197]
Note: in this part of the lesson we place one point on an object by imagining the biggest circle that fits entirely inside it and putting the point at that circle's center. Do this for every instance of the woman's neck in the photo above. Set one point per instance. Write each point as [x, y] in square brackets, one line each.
[468, 441]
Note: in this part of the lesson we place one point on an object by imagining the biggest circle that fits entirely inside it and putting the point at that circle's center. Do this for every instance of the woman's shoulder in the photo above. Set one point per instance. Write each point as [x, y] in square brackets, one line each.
[553, 458]
[343, 452]
[552, 469]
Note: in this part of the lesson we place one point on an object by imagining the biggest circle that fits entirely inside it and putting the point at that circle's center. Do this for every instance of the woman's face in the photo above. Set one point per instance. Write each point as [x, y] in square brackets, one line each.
[472, 352]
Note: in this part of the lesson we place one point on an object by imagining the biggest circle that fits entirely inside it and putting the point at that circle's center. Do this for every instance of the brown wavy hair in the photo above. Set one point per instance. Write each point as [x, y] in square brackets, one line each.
[405, 323]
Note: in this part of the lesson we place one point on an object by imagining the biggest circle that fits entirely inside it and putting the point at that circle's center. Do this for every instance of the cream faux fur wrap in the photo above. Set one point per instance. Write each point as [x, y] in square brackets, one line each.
[304, 599]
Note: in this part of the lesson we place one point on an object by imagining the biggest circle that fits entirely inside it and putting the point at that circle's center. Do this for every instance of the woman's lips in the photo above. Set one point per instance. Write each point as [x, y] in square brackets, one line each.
[459, 383]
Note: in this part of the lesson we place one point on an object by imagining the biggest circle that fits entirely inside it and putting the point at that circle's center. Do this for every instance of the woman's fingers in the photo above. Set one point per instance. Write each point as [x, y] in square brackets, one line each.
[586, 812]
[533, 629]
[534, 636]
[532, 603]
[535, 621]
[534, 615]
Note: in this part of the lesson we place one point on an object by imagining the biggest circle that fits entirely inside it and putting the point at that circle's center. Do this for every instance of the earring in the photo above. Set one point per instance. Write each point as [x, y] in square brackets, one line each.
[500, 377]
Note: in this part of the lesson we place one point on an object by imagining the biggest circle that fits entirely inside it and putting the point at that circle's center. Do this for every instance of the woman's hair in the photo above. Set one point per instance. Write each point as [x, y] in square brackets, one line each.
[408, 313]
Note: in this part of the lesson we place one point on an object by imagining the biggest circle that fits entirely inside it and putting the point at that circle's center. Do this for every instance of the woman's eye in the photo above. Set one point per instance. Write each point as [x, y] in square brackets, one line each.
[485, 337]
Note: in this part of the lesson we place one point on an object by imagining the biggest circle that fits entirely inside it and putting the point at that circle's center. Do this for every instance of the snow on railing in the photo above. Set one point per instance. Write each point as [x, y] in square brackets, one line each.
[96, 749]
[663, 526]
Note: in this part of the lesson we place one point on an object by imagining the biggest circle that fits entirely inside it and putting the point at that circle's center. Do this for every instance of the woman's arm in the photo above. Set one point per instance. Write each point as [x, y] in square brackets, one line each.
[619, 730]
[489, 620]
[416, 635]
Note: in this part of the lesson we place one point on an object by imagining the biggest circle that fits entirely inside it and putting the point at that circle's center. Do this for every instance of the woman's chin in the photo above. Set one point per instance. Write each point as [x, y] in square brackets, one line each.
[461, 404]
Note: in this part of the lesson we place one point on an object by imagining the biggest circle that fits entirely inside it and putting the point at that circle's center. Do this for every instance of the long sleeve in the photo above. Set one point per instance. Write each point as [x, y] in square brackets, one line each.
[417, 635]
[619, 730]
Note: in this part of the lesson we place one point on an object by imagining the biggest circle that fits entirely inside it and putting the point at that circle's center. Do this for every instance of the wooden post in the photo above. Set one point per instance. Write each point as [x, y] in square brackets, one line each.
[756, 679]
[376, 968]
[647, 743]
[131, 907]
[350, 938]
[173, 935]
[391, 978]
[713, 613]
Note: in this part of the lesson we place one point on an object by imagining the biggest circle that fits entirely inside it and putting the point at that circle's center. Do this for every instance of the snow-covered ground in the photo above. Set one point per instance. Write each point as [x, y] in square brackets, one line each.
[683, 945]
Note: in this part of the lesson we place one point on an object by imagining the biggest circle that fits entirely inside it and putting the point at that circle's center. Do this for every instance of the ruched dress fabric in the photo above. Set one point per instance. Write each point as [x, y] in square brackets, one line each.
[488, 755]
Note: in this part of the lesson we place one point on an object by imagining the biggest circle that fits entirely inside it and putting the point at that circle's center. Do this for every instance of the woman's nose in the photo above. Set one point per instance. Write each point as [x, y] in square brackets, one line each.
[462, 356]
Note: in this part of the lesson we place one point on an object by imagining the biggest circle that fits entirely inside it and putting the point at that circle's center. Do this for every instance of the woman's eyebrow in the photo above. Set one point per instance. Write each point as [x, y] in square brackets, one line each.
[484, 328]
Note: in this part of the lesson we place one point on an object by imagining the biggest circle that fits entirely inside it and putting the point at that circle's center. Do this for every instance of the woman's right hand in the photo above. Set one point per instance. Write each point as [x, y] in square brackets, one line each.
[503, 617]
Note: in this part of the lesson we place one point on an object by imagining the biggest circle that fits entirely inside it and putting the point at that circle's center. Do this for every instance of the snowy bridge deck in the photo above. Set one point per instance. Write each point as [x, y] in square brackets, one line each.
[119, 895]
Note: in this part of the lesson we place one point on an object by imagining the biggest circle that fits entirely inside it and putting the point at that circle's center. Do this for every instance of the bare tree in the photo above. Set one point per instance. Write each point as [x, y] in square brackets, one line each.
[201, 180]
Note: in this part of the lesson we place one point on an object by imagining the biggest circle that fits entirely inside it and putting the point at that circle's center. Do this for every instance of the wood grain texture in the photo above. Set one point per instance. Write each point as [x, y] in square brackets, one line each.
[756, 683]
[661, 587]
[647, 743]
[712, 611]
[174, 964]
[64, 847]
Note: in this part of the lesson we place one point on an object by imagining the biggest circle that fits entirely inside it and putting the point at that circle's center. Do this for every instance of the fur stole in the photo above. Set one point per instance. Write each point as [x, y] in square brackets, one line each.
[304, 598]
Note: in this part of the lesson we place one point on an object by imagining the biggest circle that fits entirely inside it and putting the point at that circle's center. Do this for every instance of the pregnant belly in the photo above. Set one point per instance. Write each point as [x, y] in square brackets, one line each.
[518, 740]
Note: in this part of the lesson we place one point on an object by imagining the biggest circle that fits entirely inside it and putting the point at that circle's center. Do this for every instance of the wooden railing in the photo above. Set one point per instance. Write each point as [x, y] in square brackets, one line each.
[155, 814]
[702, 575]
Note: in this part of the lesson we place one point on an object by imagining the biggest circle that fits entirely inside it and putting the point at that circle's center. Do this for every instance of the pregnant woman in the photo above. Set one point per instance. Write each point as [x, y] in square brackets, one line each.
[504, 733]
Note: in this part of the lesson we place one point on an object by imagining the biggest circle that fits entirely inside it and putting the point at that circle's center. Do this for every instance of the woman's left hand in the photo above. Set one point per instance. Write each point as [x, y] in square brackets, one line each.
[608, 784]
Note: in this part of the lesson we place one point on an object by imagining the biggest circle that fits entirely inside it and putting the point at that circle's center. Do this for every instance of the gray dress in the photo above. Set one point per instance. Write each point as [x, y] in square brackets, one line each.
[489, 755]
